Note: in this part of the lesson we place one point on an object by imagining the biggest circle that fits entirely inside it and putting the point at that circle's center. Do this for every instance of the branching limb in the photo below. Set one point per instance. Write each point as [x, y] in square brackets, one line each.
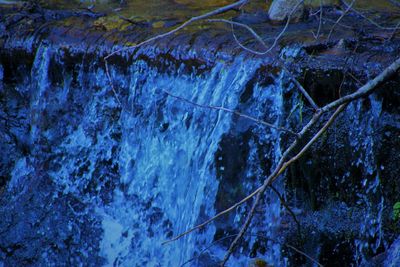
[282, 165]
[223, 9]
[285, 161]
[316, 36]
[258, 38]
[278, 170]
[341, 104]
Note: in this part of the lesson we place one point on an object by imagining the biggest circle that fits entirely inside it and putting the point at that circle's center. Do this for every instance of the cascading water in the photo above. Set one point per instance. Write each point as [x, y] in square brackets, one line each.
[166, 159]
[131, 177]
[371, 234]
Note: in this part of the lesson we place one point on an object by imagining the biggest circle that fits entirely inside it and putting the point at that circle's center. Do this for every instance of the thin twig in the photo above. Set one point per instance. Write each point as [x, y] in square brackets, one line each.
[305, 255]
[340, 18]
[200, 226]
[261, 41]
[231, 111]
[180, 27]
[339, 24]
[367, 88]
[301, 88]
[376, 24]
[253, 235]
[112, 84]
[316, 36]
[394, 31]
[276, 39]
[283, 202]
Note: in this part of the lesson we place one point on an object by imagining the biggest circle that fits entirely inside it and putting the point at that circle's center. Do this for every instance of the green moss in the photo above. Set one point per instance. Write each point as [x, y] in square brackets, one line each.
[396, 211]
[259, 263]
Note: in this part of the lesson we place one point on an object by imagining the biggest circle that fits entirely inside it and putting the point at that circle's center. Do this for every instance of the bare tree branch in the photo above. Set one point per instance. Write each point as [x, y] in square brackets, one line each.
[283, 164]
[262, 122]
[183, 25]
[367, 88]
[278, 170]
[305, 255]
[112, 84]
[285, 161]
[258, 38]
[200, 226]
[342, 103]
[316, 36]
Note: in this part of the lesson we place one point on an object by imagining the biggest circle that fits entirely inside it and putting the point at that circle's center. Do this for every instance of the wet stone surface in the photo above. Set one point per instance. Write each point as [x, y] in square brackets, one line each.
[95, 176]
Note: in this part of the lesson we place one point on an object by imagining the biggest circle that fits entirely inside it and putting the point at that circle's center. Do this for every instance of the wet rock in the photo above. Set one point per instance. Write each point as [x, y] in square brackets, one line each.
[111, 177]
[280, 10]
[393, 254]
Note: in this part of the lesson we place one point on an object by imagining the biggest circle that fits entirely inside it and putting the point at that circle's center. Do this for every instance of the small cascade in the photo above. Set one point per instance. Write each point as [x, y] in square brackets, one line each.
[167, 163]
[137, 163]
[120, 169]
[261, 156]
[370, 196]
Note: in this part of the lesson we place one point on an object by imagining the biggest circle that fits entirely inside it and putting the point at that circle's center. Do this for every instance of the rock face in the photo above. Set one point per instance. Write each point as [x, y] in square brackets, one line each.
[95, 176]
[281, 9]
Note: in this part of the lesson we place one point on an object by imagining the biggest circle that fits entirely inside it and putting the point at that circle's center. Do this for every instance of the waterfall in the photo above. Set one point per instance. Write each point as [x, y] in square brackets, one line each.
[167, 163]
[132, 167]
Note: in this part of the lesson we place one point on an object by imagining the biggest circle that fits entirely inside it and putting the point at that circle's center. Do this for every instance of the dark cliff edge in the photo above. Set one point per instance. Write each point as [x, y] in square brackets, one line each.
[53, 84]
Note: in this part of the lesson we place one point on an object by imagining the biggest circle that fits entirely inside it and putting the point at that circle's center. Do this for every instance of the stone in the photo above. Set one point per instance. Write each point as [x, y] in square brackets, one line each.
[393, 255]
[281, 9]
